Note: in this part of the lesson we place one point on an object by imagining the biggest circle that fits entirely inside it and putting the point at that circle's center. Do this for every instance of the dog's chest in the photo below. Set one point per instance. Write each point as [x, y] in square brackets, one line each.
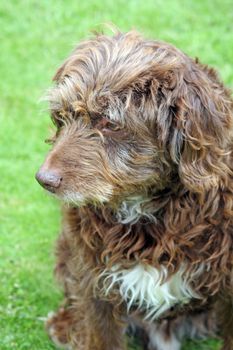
[148, 289]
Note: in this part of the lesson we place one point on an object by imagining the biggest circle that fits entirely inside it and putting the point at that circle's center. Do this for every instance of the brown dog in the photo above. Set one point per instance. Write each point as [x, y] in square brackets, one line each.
[142, 158]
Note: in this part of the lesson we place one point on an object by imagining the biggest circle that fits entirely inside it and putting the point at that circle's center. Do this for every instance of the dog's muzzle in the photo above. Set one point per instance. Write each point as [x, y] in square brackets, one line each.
[49, 180]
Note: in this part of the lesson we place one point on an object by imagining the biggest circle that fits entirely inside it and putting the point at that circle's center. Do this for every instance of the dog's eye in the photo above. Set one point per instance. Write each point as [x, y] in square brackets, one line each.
[51, 140]
[106, 125]
[57, 119]
[62, 118]
[111, 129]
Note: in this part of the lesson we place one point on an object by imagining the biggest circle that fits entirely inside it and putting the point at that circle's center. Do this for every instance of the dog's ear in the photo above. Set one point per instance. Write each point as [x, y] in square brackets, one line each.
[199, 125]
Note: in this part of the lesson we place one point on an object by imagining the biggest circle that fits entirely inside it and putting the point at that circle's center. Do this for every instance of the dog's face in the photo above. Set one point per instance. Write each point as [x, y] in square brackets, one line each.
[101, 156]
[120, 112]
[97, 160]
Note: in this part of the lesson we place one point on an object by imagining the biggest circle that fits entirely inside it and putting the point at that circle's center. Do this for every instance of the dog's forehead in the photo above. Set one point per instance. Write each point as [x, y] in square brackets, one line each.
[106, 59]
[100, 70]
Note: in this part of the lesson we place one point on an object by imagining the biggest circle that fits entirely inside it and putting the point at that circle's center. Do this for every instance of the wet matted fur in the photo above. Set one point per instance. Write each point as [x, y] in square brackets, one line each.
[142, 158]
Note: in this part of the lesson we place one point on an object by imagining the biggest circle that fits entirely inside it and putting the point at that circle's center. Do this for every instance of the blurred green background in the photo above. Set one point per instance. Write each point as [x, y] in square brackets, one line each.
[35, 37]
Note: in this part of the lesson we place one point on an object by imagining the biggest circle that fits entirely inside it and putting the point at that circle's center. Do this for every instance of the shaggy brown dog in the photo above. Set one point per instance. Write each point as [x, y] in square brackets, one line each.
[142, 158]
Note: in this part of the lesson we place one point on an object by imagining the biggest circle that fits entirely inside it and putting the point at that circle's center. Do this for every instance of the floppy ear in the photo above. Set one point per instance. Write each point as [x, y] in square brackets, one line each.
[200, 134]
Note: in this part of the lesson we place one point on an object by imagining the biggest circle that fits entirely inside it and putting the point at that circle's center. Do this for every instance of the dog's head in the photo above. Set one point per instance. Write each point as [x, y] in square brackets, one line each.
[134, 116]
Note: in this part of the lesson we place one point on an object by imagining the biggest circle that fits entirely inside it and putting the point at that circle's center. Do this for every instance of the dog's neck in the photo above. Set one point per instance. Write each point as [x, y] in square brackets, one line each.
[144, 207]
[135, 208]
[141, 208]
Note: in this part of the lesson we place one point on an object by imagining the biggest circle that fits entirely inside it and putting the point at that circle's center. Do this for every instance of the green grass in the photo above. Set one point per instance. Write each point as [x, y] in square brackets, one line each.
[35, 37]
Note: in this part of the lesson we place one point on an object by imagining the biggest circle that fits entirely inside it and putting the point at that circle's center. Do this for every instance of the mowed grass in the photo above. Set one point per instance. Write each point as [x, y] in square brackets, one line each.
[35, 37]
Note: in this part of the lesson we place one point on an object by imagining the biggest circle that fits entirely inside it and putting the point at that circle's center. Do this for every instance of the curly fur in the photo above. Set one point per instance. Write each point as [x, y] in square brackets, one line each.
[144, 150]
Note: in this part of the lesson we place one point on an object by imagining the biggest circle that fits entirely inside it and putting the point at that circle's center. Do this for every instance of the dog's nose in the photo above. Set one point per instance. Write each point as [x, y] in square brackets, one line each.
[49, 180]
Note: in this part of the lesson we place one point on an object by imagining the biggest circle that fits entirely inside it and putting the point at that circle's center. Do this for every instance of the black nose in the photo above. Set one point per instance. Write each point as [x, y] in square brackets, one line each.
[49, 180]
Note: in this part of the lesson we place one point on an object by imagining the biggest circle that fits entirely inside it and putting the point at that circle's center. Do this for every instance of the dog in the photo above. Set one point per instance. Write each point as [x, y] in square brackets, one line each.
[142, 160]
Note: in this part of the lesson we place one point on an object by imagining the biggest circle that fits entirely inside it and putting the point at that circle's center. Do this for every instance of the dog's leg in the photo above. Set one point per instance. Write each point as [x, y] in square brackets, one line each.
[83, 323]
[225, 318]
[162, 337]
[106, 332]
[168, 334]
[91, 326]
[61, 326]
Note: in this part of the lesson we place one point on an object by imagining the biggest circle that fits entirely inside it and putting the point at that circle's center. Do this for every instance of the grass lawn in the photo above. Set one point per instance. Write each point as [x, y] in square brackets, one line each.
[35, 36]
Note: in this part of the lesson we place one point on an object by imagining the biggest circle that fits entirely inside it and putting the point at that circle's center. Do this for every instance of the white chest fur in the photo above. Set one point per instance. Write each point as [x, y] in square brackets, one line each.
[149, 289]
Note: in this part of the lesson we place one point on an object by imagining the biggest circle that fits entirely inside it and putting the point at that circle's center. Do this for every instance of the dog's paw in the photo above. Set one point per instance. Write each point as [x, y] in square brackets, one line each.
[58, 328]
